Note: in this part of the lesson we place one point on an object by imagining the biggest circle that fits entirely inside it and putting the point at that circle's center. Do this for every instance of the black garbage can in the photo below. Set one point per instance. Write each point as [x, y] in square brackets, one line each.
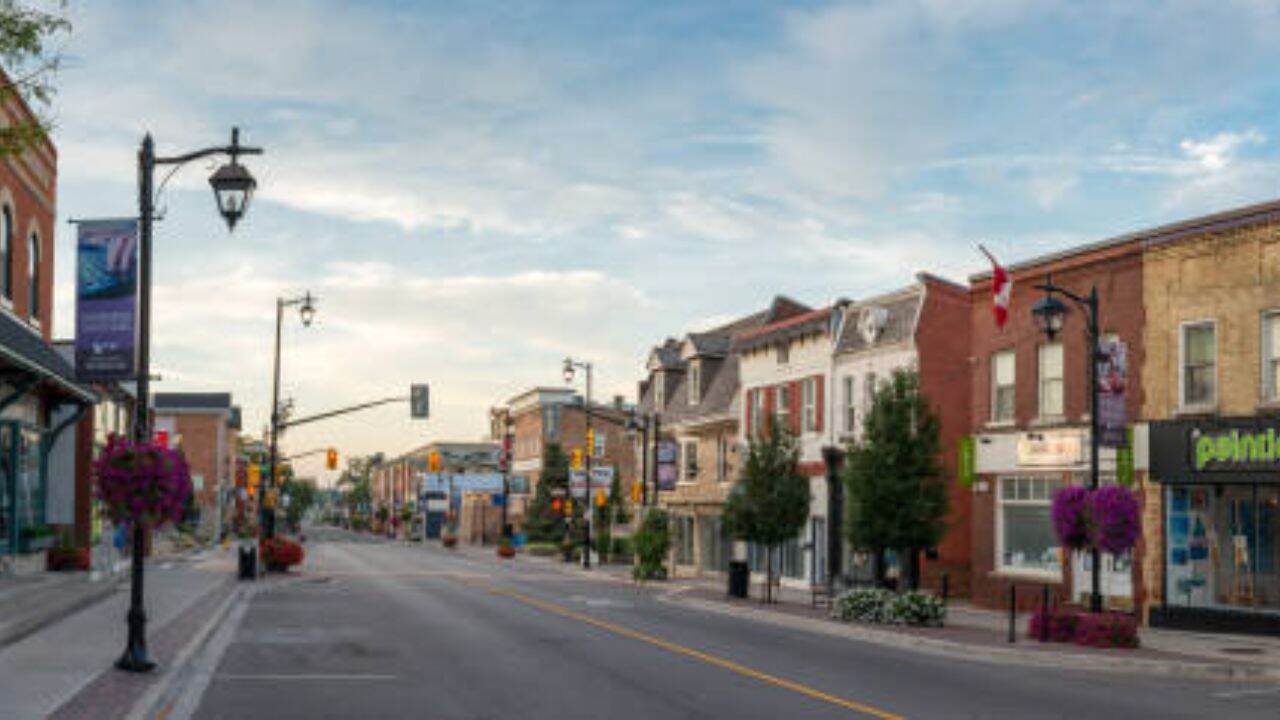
[248, 562]
[739, 578]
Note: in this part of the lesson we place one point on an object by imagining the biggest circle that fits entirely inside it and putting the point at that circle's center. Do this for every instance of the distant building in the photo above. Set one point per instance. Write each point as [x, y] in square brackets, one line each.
[204, 425]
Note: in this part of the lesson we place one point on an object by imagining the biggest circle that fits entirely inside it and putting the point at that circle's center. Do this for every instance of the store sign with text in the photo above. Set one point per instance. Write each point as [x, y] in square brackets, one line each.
[1051, 448]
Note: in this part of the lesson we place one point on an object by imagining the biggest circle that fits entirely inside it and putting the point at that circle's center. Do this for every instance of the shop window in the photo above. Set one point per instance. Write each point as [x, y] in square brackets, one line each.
[1271, 356]
[1025, 539]
[712, 543]
[684, 539]
[1222, 542]
[1002, 386]
[1051, 380]
[1199, 364]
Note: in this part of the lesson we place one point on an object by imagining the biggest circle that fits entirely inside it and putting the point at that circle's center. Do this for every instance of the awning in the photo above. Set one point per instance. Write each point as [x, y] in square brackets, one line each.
[24, 348]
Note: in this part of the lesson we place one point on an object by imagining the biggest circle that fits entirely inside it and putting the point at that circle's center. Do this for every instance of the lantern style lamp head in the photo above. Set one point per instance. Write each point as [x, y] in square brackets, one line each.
[1050, 313]
[308, 310]
[568, 370]
[232, 188]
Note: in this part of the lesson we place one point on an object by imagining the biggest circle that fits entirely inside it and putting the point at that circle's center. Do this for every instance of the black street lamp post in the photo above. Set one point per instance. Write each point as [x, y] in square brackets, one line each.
[307, 313]
[1050, 314]
[233, 187]
[640, 423]
[833, 458]
[570, 365]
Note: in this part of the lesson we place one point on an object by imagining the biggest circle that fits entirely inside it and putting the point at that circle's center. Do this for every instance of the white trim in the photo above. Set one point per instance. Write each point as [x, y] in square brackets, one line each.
[997, 489]
[995, 387]
[1183, 405]
[1264, 358]
[1040, 380]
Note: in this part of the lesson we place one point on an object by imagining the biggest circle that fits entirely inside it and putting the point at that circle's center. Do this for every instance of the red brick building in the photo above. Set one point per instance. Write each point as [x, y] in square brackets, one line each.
[1031, 424]
[204, 426]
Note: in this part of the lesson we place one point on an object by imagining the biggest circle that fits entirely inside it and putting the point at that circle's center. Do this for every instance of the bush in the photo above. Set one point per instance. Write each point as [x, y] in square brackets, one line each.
[651, 543]
[877, 605]
[1103, 630]
[280, 553]
[622, 549]
[542, 549]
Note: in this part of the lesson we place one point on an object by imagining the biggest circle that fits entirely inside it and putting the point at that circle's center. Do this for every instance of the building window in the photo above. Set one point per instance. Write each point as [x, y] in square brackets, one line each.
[1271, 355]
[1051, 380]
[684, 539]
[1002, 386]
[6, 252]
[784, 353]
[33, 277]
[850, 409]
[659, 391]
[551, 421]
[691, 460]
[1025, 540]
[868, 392]
[1199, 364]
[809, 404]
[722, 458]
[782, 412]
[757, 411]
[695, 383]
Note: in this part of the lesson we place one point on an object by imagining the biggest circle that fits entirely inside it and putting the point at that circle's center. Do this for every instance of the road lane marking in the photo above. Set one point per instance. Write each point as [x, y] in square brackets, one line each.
[697, 655]
[274, 678]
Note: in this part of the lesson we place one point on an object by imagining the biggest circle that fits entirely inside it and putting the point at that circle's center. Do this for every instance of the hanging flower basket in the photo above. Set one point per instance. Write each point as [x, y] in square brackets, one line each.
[1117, 519]
[1072, 517]
[141, 483]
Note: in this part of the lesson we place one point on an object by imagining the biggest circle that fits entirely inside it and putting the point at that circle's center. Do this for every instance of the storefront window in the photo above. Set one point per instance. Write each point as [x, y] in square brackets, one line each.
[788, 558]
[1222, 543]
[1026, 540]
[684, 539]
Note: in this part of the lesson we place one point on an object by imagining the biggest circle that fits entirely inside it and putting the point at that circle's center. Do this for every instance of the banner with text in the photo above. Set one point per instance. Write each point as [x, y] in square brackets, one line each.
[106, 299]
[1113, 379]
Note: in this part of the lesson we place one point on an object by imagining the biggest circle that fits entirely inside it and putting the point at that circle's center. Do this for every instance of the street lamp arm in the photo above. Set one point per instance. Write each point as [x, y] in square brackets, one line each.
[1078, 299]
[233, 150]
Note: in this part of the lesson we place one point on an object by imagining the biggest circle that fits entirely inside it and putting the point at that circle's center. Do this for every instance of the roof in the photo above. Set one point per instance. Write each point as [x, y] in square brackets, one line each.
[792, 327]
[192, 401]
[23, 347]
[886, 320]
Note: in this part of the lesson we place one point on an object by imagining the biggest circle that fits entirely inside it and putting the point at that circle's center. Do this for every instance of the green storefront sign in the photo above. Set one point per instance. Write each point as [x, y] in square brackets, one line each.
[1237, 448]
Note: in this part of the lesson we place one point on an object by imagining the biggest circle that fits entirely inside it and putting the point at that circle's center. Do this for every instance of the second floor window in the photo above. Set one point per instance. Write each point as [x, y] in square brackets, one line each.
[809, 404]
[783, 410]
[6, 252]
[1051, 380]
[1271, 355]
[33, 277]
[1002, 382]
[850, 408]
[868, 392]
[784, 353]
[691, 460]
[722, 458]
[1199, 363]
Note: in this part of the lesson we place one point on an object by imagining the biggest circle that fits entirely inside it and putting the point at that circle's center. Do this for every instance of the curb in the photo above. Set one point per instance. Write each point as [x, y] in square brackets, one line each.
[993, 655]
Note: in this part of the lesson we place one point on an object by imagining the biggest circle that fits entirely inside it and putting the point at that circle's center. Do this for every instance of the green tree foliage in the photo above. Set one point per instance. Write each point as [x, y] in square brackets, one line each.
[770, 502]
[897, 497]
[30, 63]
[542, 523]
[356, 482]
[302, 497]
[651, 542]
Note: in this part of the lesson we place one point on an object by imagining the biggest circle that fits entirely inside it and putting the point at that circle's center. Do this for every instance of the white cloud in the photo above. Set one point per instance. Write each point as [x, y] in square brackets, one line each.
[1214, 154]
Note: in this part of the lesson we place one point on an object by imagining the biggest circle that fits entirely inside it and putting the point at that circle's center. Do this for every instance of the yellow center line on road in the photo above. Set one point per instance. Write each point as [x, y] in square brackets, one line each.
[696, 654]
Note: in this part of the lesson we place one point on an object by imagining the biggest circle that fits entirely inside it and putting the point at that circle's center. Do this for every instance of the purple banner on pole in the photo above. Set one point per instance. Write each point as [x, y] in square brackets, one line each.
[1113, 380]
[106, 300]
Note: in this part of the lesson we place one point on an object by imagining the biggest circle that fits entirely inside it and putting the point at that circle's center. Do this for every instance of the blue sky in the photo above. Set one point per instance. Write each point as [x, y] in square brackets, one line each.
[476, 190]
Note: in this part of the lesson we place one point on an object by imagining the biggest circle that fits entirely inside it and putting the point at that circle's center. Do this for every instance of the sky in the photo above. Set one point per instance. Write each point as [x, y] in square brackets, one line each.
[475, 190]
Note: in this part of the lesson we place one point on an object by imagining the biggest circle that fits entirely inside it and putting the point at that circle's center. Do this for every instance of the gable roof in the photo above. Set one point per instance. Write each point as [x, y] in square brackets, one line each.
[786, 329]
[23, 347]
[900, 310]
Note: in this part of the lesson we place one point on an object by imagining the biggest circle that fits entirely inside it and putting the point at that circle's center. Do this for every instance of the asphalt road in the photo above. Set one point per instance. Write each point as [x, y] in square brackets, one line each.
[378, 630]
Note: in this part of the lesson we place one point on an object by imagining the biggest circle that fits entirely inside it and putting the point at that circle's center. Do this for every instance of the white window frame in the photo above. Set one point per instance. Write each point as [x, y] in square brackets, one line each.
[1042, 380]
[995, 387]
[694, 383]
[688, 461]
[757, 411]
[868, 392]
[659, 394]
[722, 458]
[1182, 364]
[782, 406]
[1000, 567]
[809, 405]
[850, 403]
[1270, 359]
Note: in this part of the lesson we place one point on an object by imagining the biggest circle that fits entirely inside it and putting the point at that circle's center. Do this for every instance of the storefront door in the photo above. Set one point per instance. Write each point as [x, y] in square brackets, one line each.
[21, 491]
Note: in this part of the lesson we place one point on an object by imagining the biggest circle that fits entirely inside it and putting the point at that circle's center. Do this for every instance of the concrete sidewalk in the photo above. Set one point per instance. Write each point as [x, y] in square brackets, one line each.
[45, 669]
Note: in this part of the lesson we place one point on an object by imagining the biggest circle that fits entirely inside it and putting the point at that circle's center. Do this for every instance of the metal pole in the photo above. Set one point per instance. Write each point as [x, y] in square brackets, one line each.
[587, 506]
[135, 657]
[506, 478]
[657, 435]
[1095, 599]
[268, 515]
[1013, 613]
[644, 463]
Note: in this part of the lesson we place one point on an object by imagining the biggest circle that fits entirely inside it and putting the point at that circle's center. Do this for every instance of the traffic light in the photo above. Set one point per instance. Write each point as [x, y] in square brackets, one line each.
[557, 504]
[591, 441]
[254, 477]
[637, 492]
[568, 507]
[433, 461]
[601, 499]
[419, 401]
[575, 458]
[331, 459]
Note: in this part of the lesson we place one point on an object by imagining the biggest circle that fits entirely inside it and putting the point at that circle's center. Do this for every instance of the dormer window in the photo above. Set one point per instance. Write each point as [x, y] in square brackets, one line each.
[695, 382]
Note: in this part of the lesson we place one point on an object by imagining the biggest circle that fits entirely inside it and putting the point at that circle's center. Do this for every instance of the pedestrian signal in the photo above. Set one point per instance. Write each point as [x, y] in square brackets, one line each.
[556, 504]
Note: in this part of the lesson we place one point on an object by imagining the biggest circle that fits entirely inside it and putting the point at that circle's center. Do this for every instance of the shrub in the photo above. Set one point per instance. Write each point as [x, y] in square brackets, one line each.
[622, 549]
[280, 553]
[1059, 622]
[651, 543]
[542, 549]
[877, 605]
[1117, 519]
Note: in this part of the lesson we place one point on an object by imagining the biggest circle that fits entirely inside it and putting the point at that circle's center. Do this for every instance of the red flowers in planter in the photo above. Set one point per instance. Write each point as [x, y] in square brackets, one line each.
[281, 553]
[1101, 630]
[64, 558]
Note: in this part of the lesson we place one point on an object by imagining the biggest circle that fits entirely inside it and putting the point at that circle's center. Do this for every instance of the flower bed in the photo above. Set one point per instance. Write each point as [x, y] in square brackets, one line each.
[885, 607]
[280, 553]
[1103, 630]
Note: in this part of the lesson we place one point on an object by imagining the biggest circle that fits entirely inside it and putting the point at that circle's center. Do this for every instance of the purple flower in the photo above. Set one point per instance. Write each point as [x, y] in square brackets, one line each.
[1072, 519]
[141, 482]
[1117, 519]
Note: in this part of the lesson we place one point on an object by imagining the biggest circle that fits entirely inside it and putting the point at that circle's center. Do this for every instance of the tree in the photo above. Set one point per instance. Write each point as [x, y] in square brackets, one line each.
[769, 504]
[302, 496]
[357, 482]
[30, 64]
[542, 523]
[897, 497]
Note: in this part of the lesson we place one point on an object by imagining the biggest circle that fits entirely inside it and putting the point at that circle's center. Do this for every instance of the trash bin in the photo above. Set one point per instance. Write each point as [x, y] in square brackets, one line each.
[739, 578]
[248, 562]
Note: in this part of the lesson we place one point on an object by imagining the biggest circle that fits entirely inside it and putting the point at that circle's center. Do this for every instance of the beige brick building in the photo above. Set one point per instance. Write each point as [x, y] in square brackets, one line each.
[1212, 376]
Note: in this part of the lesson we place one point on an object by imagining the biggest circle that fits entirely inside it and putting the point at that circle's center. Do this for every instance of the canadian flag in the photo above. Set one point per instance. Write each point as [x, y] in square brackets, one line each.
[1001, 289]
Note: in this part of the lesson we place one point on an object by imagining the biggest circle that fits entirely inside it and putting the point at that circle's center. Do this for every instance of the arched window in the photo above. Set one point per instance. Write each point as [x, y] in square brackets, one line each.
[6, 252]
[33, 275]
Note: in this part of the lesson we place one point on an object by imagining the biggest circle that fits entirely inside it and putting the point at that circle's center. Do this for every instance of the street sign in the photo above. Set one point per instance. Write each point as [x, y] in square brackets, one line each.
[419, 401]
